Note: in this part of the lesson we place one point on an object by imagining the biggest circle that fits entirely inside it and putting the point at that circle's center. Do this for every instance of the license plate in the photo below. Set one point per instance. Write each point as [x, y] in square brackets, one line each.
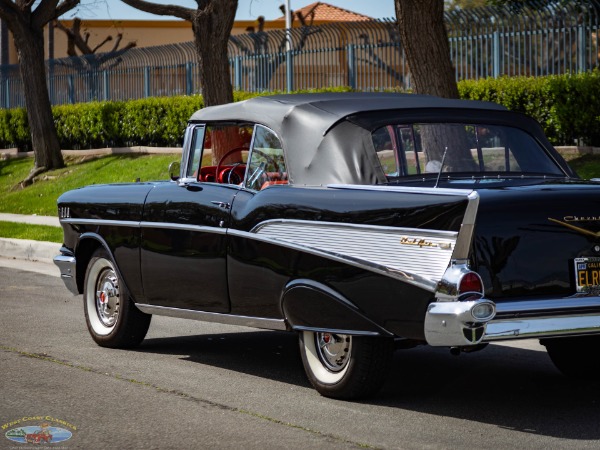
[587, 274]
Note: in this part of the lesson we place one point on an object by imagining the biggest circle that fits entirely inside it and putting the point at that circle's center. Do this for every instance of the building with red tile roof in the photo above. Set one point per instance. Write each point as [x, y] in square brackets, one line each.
[321, 13]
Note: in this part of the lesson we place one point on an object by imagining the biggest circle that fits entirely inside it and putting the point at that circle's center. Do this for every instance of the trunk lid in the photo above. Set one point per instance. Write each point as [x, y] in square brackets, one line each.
[527, 239]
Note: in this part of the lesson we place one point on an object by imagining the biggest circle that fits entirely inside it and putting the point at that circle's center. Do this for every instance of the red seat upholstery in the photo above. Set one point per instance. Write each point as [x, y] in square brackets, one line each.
[266, 184]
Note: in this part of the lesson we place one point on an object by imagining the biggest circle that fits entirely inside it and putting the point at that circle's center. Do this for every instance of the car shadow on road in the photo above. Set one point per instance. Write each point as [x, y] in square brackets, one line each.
[513, 388]
[269, 354]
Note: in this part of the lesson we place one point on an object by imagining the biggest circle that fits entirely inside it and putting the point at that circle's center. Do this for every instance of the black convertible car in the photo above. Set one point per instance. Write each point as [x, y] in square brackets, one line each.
[363, 222]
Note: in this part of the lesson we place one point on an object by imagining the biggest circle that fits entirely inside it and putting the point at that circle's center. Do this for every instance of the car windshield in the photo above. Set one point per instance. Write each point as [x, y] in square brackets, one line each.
[458, 150]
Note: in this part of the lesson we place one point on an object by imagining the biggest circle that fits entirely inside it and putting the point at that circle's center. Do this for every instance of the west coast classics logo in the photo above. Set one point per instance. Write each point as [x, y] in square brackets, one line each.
[38, 430]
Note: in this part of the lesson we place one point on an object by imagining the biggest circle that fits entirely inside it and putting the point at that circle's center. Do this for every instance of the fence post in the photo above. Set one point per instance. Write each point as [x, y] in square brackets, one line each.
[106, 84]
[496, 49]
[71, 85]
[146, 82]
[351, 66]
[189, 79]
[237, 73]
[581, 59]
[7, 93]
[289, 66]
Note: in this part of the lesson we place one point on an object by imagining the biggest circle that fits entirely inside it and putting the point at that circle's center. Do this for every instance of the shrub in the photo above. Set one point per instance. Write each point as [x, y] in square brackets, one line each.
[566, 106]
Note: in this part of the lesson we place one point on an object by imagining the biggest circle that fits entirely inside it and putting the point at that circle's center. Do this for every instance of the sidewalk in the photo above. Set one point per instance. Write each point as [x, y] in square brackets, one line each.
[24, 249]
[32, 219]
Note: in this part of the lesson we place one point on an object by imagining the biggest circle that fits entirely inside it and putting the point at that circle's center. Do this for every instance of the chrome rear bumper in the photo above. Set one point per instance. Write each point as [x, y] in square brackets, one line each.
[501, 330]
[550, 317]
[447, 324]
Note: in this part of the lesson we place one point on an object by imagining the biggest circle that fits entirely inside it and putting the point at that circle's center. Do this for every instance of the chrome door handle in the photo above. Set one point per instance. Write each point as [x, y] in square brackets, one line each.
[223, 205]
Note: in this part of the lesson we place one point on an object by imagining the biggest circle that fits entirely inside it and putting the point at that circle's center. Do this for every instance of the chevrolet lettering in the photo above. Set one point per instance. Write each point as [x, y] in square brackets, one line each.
[363, 222]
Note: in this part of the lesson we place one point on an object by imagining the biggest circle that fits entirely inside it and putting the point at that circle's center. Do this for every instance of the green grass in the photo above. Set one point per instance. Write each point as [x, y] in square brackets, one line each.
[587, 166]
[14, 230]
[40, 198]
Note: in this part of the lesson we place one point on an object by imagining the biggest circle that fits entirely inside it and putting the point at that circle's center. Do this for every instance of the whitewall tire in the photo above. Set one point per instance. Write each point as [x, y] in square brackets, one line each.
[111, 316]
[344, 366]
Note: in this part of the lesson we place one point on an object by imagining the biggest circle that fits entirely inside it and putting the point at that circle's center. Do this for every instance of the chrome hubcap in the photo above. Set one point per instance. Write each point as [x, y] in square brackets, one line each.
[334, 350]
[107, 297]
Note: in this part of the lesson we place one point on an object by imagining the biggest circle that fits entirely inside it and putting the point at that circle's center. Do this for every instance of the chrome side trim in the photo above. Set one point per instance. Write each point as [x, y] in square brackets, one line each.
[413, 252]
[182, 226]
[539, 327]
[465, 235]
[228, 319]
[117, 223]
[68, 267]
[406, 277]
[336, 331]
[354, 226]
[135, 224]
[405, 189]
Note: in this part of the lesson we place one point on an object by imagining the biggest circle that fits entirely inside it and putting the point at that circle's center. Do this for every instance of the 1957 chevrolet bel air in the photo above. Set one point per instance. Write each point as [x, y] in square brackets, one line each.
[363, 222]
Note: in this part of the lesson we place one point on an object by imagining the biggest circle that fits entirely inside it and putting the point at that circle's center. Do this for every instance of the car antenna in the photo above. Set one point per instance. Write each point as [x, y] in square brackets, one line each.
[441, 166]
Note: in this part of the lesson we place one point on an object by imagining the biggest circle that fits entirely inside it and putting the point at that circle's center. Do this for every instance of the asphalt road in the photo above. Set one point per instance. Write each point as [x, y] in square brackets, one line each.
[197, 385]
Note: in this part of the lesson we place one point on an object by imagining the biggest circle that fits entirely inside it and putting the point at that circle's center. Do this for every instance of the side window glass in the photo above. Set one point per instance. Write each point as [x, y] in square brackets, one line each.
[195, 154]
[225, 151]
[267, 163]
[496, 154]
[383, 140]
[396, 150]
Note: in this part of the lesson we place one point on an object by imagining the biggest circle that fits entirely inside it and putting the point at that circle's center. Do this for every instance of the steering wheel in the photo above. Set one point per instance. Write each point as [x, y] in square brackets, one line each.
[220, 163]
[254, 176]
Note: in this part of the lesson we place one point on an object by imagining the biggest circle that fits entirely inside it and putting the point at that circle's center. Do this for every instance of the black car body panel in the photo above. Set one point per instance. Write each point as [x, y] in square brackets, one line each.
[435, 221]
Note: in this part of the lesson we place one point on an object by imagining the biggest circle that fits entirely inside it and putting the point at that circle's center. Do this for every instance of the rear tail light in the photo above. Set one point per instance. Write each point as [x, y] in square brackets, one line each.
[470, 282]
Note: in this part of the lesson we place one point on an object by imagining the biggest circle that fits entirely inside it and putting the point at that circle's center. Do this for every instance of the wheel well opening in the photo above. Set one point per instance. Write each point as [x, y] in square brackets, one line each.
[85, 249]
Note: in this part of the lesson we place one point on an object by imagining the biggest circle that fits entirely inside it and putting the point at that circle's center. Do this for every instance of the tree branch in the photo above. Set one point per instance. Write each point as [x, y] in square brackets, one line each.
[162, 10]
[106, 39]
[43, 13]
[65, 6]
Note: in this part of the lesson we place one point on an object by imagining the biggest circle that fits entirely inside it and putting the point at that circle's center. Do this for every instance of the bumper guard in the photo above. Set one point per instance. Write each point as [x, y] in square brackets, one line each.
[67, 266]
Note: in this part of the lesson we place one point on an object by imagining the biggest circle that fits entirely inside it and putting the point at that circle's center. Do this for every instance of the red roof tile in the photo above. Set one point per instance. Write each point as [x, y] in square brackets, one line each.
[324, 12]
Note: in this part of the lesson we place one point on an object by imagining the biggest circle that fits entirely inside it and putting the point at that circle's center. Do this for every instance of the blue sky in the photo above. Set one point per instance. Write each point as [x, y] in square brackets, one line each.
[247, 9]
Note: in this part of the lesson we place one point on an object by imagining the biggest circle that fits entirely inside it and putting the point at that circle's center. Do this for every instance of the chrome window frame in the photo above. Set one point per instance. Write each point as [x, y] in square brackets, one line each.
[251, 152]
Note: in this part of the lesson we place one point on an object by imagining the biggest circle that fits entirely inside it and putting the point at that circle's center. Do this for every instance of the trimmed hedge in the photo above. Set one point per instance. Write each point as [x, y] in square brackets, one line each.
[157, 121]
[566, 106]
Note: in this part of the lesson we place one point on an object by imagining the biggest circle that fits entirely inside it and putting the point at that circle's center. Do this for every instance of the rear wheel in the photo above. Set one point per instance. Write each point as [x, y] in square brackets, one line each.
[344, 366]
[112, 318]
[575, 356]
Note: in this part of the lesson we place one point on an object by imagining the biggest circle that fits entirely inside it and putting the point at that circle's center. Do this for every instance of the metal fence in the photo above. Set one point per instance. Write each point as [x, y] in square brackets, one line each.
[484, 42]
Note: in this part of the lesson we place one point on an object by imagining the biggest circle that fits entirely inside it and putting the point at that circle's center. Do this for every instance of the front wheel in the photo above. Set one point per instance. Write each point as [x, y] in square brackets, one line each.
[344, 366]
[575, 356]
[112, 318]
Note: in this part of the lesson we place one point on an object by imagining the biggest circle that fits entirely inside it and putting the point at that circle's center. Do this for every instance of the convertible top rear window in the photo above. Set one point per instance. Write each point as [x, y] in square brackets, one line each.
[415, 149]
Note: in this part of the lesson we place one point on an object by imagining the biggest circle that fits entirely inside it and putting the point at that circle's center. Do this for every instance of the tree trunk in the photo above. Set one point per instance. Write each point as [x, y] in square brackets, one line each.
[212, 27]
[425, 41]
[46, 148]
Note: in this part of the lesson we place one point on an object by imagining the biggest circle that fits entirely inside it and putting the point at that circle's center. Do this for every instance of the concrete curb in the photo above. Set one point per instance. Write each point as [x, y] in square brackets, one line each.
[29, 250]
[14, 152]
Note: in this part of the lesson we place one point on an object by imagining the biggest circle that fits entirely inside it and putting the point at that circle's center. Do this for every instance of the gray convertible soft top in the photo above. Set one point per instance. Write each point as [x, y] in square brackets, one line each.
[320, 146]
